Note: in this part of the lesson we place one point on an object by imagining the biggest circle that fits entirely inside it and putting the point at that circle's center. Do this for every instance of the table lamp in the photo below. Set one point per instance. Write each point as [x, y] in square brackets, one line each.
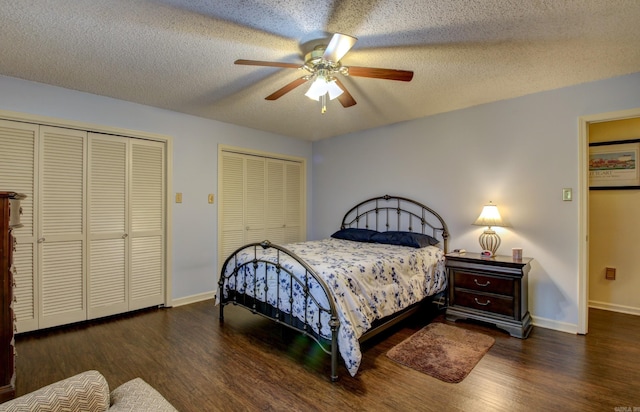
[489, 239]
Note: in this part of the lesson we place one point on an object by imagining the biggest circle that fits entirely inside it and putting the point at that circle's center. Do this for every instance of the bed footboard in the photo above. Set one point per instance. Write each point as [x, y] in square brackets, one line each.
[272, 281]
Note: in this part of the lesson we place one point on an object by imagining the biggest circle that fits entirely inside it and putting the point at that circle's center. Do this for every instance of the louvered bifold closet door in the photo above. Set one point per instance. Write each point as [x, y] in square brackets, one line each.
[293, 202]
[261, 198]
[107, 283]
[231, 204]
[17, 174]
[61, 241]
[275, 210]
[255, 199]
[147, 231]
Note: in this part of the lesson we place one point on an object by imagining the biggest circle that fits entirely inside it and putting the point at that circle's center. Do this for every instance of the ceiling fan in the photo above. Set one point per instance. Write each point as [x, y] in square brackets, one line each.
[323, 66]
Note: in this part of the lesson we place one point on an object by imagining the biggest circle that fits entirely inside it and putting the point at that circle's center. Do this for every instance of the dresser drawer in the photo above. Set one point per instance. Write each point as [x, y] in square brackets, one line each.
[502, 305]
[473, 281]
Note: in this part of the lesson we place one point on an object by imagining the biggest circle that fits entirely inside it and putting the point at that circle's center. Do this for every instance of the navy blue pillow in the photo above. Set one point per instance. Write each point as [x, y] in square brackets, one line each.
[411, 239]
[355, 234]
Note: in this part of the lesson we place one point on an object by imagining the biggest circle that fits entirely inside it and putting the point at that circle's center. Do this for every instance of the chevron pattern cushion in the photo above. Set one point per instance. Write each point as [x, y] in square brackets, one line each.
[137, 395]
[87, 391]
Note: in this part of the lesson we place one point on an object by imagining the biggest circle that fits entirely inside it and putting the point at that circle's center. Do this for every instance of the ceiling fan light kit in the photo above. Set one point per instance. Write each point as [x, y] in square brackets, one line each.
[323, 65]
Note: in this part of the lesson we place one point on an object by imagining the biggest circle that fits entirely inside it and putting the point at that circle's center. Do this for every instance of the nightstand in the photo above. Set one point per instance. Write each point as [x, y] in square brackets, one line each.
[492, 290]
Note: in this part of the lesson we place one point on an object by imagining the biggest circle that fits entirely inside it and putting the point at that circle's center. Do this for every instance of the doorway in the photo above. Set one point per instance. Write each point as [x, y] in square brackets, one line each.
[584, 260]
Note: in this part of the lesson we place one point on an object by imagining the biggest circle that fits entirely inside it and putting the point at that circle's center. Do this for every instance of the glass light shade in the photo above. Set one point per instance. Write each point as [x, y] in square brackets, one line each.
[333, 89]
[318, 88]
[321, 86]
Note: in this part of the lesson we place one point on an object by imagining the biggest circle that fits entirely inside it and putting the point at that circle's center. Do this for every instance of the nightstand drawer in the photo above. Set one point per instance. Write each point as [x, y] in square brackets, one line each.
[502, 305]
[482, 283]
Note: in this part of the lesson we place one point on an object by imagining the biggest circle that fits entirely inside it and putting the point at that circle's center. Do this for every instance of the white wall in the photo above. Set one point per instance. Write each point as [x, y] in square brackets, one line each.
[518, 153]
[195, 163]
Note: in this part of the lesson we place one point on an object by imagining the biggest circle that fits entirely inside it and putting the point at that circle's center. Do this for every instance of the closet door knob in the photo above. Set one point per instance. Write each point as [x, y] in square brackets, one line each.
[41, 240]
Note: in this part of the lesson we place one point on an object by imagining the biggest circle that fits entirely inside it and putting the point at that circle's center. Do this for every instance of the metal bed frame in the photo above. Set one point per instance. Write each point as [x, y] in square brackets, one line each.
[384, 213]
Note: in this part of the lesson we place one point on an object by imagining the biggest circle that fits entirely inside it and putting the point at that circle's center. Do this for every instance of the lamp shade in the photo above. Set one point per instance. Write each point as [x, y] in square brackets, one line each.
[490, 216]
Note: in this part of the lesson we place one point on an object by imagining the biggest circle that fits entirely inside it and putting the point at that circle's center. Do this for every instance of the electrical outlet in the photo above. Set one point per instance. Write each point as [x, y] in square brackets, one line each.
[178, 197]
[610, 274]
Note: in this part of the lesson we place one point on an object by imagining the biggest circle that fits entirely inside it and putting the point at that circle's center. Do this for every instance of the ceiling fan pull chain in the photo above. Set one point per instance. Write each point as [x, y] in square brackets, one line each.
[323, 100]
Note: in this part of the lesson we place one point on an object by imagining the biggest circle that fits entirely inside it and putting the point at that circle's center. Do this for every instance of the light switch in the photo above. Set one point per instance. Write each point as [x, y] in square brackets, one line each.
[178, 197]
[567, 196]
[210, 197]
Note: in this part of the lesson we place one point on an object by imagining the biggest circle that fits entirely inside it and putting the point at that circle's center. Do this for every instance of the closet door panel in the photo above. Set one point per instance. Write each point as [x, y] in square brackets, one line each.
[255, 199]
[62, 230]
[107, 280]
[62, 283]
[107, 199]
[18, 172]
[147, 233]
[232, 204]
[147, 284]
[293, 202]
[275, 210]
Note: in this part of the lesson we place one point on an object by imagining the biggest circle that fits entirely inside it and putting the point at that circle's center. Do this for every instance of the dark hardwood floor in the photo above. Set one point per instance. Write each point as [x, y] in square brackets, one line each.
[248, 364]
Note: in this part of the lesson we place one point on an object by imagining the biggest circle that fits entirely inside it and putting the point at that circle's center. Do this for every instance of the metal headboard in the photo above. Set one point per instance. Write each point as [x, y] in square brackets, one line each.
[387, 213]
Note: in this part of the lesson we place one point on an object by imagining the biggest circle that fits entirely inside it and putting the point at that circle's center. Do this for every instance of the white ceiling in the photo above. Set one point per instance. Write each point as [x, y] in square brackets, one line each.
[179, 54]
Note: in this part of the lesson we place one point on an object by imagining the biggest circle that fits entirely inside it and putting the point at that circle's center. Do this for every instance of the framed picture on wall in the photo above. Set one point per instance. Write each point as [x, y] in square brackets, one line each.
[614, 165]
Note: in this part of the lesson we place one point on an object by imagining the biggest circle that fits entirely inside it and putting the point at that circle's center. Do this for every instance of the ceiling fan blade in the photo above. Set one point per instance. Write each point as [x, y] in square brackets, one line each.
[345, 98]
[269, 64]
[286, 89]
[339, 45]
[388, 74]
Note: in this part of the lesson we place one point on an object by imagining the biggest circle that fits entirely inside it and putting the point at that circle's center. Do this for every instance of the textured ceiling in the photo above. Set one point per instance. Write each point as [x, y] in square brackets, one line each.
[179, 54]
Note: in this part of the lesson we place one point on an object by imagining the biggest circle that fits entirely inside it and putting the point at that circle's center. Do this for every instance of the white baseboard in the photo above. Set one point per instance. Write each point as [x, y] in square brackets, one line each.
[554, 324]
[614, 308]
[193, 299]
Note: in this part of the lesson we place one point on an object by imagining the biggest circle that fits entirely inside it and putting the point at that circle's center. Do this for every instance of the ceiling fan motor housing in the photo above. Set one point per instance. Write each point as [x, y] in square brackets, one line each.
[316, 64]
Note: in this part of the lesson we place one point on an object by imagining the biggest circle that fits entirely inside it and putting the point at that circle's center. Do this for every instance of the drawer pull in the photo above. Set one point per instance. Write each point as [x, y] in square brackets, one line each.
[482, 304]
[482, 284]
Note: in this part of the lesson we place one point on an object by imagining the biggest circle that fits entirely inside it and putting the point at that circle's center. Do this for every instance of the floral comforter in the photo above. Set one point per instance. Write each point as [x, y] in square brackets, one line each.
[369, 281]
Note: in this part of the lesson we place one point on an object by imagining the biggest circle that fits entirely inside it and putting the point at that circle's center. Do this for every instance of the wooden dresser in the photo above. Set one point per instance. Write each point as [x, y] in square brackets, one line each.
[492, 290]
[9, 219]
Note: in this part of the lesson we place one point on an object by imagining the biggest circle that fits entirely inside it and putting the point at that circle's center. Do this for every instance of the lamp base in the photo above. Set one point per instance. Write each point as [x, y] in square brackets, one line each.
[489, 240]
